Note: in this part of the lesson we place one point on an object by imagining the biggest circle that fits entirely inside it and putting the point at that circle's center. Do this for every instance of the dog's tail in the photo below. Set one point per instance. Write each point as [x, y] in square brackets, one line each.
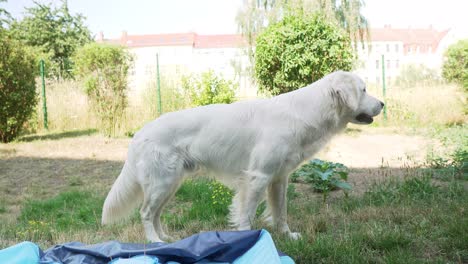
[124, 195]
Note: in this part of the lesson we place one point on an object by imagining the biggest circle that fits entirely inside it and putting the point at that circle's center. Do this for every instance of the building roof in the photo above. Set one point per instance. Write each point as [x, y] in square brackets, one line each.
[425, 37]
[219, 41]
[177, 39]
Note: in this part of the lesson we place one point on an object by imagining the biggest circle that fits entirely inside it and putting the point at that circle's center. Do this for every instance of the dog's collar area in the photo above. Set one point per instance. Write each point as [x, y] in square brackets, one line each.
[364, 118]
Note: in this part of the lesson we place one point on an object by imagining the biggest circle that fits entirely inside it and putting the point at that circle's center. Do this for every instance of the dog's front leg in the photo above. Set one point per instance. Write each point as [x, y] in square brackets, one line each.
[255, 190]
[277, 202]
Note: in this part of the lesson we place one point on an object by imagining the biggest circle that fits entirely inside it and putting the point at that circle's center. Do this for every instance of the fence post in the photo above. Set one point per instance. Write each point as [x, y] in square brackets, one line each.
[384, 89]
[44, 102]
[159, 84]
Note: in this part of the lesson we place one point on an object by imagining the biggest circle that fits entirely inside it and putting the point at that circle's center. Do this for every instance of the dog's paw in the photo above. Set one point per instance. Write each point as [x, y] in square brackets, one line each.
[294, 235]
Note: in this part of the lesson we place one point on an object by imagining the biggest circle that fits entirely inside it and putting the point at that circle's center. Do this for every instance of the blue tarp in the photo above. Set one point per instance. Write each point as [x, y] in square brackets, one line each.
[237, 247]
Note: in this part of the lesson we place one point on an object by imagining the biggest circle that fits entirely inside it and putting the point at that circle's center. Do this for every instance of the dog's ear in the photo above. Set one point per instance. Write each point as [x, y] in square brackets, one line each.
[344, 90]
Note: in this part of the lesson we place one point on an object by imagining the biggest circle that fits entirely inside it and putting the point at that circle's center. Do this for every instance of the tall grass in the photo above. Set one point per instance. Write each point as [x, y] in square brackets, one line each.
[423, 105]
[68, 107]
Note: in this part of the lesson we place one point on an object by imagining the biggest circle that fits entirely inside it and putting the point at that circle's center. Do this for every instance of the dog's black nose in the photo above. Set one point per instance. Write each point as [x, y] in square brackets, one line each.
[382, 104]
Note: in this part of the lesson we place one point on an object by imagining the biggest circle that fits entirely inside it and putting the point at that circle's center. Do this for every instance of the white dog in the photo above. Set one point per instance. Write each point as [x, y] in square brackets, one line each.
[251, 146]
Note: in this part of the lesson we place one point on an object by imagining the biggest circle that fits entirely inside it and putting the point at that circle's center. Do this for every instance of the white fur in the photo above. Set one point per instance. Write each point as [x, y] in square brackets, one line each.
[251, 146]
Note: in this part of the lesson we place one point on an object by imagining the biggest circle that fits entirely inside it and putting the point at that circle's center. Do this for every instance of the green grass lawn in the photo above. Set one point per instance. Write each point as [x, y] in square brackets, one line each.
[399, 215]
[413, 220]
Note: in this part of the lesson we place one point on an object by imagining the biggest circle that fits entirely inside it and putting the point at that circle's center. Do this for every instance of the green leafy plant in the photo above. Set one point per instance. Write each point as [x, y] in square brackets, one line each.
[18, 96]
[209, 88]
[324, 176]
[104, 69]
[299, 50]
[455, 68]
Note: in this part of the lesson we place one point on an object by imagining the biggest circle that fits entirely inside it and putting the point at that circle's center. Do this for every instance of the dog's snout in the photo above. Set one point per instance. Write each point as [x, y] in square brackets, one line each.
[382, 104]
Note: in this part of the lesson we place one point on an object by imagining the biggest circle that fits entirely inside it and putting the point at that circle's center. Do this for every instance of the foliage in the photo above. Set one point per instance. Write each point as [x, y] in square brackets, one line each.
[18, 96]
[298, 51]
[456, 164]
[412, 75]
[455, 67]
[324, 176]
[55, 32]
[254, 16]
[104, 69]
[452, 158]
[5, 17]
[208, 88]
[208, 200]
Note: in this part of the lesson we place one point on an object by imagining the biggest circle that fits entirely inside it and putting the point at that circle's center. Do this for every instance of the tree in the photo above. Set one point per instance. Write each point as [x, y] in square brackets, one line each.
[104, 69]
[299, 50]
[18, 96]
[5, 17]
[55, 32]
[455, 67]
[256, 15]
[208, 88]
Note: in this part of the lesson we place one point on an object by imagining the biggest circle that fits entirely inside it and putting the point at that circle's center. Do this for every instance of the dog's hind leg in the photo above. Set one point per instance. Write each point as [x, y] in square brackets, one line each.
[161, 180]
[157, 217]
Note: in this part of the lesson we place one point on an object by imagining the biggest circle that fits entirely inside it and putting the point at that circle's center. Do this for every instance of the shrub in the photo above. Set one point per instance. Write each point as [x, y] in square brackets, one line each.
[18, 96]
[455, 68]
[208, 88]
[298, 51]
[104, 69]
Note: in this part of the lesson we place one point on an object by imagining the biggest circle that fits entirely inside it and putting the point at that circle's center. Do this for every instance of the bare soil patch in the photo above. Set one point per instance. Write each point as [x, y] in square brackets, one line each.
[44, 166]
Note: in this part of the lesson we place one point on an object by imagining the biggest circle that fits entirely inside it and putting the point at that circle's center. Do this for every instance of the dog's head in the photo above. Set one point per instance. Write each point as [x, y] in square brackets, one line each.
[350, 94]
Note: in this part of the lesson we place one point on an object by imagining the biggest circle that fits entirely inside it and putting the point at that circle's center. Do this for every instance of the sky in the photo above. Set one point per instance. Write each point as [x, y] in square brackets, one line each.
[218, 16]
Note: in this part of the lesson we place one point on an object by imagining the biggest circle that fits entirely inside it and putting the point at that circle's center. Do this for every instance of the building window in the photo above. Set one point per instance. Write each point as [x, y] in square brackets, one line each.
[397, 63]
[388, 64]
[377, 63]
[409, 49]
[396, 47]
[149, 69]
[388, 47]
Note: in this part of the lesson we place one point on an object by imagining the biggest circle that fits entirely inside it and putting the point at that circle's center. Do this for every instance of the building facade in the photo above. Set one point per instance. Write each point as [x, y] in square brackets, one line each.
[186, 53]
[394, 48]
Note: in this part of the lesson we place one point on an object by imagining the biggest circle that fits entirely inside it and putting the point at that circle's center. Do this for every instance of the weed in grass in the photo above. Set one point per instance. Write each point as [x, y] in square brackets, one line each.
[324, 176]
[3, 208]
[382, 238]
[199, 200]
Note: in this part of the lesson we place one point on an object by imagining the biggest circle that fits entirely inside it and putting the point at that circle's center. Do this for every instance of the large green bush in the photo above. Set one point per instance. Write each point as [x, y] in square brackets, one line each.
[299, 50]
[104, 69]
[18, 96]
[208, 88]
[455, 68]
